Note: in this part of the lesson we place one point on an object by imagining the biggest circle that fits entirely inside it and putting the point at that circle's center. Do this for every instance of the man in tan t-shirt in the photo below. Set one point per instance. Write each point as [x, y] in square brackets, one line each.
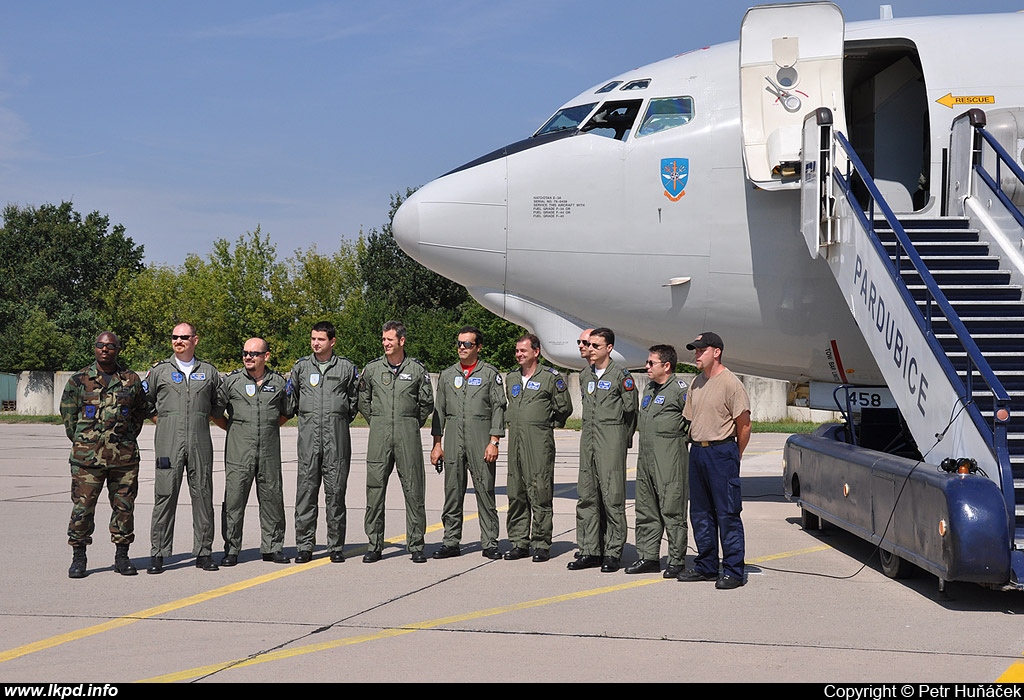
[718, 409]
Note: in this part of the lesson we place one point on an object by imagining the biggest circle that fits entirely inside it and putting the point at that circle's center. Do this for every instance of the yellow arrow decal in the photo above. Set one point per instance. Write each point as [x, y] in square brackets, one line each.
[949, 100]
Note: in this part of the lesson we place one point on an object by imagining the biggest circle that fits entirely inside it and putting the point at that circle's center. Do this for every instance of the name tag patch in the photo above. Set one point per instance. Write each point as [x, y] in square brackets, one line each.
[659, 399]
[533, 386]
[604, 384]
[474, 381]
[198, 376]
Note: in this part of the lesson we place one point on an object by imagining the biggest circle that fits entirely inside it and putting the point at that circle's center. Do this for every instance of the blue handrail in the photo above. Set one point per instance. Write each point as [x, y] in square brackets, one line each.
[995, 434]
[1002, 159]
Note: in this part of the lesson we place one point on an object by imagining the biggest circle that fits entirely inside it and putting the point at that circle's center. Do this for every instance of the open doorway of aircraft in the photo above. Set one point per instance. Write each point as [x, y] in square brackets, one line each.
[833, 201]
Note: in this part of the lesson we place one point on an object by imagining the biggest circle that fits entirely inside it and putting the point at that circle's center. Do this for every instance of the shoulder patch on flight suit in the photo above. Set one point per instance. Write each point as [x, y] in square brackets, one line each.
[145, 384]
[560, 384]
[497, 379]
[627, 384]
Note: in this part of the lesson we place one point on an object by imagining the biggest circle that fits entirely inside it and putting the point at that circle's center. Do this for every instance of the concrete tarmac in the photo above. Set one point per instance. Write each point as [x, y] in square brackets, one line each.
[812, 610]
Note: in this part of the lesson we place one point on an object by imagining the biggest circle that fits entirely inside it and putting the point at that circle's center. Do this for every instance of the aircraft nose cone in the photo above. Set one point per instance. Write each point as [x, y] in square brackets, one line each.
[456, 225]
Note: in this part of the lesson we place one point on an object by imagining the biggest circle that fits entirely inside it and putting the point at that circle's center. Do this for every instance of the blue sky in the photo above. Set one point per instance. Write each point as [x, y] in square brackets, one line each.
[192, 121]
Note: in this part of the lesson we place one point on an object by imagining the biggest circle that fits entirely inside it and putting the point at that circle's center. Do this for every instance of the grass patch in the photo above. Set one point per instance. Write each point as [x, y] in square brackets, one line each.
[15, 418]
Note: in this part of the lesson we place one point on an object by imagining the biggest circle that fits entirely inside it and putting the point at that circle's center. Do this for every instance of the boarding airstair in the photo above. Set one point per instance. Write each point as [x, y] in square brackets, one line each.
[939, 302]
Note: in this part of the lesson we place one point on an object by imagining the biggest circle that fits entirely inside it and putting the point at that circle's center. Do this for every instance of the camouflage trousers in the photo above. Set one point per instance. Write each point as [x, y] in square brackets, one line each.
[86, 487]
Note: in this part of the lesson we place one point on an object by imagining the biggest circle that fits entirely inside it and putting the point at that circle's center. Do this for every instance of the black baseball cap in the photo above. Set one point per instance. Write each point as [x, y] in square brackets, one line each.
[706, 340]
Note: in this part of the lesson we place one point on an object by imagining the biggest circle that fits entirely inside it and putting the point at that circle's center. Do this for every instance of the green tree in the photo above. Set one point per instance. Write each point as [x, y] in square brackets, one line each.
[56, 267]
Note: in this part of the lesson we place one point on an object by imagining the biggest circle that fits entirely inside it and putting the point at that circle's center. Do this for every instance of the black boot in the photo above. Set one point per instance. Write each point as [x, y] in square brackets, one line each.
[78, 564]
[122, 564]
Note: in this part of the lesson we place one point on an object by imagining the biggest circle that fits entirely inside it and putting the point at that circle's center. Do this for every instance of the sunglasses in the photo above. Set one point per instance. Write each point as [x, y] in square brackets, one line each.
[106, 346]
[583, 343]
[180, 337]
[465, 344]
[254, 353]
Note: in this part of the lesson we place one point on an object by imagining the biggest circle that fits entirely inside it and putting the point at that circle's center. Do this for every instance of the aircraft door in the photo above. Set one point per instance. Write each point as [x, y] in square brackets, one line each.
[791, 63]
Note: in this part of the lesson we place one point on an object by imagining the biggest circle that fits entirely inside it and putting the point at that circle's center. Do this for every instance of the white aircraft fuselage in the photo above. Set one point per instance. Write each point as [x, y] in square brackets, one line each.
[662, 235]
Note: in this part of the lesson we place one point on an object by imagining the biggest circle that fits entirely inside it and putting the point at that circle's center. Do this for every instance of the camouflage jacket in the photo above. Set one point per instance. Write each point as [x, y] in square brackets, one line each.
[103, 421]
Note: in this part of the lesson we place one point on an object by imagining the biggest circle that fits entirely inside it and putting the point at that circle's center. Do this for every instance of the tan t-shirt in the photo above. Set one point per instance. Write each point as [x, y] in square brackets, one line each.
[712, 405]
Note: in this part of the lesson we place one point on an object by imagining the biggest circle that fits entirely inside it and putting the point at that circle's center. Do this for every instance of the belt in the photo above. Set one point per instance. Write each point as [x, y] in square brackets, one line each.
[712, 443]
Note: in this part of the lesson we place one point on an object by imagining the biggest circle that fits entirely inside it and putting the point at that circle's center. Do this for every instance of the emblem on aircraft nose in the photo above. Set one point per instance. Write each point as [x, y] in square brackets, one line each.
[674, 173]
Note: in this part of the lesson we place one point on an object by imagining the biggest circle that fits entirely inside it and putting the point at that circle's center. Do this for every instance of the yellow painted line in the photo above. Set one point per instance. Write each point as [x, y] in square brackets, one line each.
[157, 610]
[430, 624]
[166, 608]
[786, 555]
[1014, 674]
[394, 632]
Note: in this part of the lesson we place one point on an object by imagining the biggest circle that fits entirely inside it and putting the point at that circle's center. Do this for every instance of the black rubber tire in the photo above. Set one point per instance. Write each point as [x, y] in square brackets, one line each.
[895, 566]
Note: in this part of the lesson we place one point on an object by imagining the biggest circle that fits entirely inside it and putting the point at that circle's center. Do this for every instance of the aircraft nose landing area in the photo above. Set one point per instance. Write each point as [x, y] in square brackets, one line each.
[468, 618]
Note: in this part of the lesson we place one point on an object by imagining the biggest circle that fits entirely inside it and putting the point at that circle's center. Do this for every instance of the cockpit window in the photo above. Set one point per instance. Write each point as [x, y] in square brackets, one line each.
[609, 87]
[567, 118]
[666, 113]
[636, 84]
[614, 119]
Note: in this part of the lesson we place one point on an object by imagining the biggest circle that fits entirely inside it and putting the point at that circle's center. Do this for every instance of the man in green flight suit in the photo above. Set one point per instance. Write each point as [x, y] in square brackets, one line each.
[609, 420]
[662, 473]
[469, 413]
[103, 408]
[183, 394]
[396, 399]
[323, 390]
[538, 402]
[257, 407]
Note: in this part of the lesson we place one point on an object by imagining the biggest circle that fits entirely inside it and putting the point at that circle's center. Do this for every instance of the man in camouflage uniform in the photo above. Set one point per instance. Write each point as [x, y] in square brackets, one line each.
[257, 407]
[103, 407]
[662, 473]
[609, 420]
[538, 402]
[323, 391]
[396, 399]
[183, 394]
[470, 404]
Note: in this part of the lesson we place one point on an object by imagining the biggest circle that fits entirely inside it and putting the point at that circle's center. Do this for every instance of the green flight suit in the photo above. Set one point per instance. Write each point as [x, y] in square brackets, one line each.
[609, 419]
[326, 402]
[536, 406]
[468, 410]
[103, 417]
[662, 473]
[396, 403]
[252, 451]
[183, 406]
